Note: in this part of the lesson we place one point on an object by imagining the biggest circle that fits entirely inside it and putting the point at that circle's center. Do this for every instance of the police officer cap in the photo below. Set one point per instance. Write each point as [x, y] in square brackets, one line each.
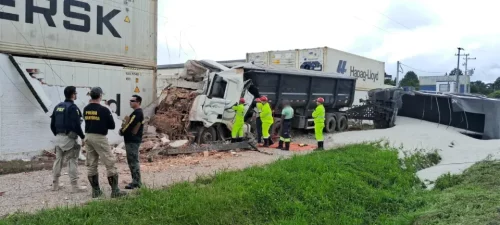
[96, 91]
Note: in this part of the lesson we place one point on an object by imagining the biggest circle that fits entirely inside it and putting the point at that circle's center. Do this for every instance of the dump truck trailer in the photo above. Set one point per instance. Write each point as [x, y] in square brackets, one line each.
[211, 116]
[301, 88]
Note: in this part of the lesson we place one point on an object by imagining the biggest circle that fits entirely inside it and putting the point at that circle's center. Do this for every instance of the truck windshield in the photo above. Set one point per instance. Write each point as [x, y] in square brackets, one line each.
[218, 87]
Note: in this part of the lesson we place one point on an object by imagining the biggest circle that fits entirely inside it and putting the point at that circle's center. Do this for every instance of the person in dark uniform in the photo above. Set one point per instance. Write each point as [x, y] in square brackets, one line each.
[286, 126]
[65, 124]
[98, 120]
[132, 129]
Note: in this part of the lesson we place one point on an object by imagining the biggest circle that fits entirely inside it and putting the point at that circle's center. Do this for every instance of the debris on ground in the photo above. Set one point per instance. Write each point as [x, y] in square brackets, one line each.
[172, 116]
[296, 147]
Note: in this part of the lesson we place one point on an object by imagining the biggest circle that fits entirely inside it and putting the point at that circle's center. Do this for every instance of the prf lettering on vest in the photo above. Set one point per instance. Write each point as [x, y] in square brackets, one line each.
[92, 115]
[60, 109]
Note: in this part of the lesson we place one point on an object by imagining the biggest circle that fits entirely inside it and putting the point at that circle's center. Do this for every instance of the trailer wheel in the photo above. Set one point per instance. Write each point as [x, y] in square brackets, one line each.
[206, 135]
[330, 124]
[342, 124]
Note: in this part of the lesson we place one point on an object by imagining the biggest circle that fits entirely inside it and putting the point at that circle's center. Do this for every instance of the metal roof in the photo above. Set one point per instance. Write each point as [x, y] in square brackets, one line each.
[181, 65]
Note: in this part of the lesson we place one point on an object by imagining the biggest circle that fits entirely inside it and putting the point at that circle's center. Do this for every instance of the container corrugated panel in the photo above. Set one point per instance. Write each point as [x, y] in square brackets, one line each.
[259, 58]
[284, 59]
[118, 83]
[311, 59]
[116, 32]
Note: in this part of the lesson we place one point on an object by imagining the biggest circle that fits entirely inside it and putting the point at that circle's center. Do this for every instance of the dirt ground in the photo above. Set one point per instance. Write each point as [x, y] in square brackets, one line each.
[31, 191]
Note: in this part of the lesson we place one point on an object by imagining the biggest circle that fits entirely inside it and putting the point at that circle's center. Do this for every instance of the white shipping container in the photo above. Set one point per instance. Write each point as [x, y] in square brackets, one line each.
[115, 32]
[259, 58]
[118, 83]
[284, 59]
[370, 73]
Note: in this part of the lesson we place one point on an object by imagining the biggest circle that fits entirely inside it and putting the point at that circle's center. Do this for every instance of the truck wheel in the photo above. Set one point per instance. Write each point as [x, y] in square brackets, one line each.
[381, 124]
[330, 124]
[206, 135]
[342, 124]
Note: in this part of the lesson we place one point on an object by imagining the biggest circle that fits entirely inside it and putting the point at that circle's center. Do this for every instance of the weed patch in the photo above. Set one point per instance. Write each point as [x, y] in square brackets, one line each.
[469, 198]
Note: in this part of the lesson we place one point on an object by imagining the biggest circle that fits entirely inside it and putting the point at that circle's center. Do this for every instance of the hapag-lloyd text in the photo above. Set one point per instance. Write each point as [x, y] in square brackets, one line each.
[363, 74]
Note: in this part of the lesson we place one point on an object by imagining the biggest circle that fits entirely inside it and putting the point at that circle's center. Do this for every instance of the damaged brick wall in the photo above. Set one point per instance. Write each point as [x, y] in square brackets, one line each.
[172, 116]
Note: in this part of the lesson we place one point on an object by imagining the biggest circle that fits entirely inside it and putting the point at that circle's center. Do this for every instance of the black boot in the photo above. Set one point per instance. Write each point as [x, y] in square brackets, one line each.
[270, 141]
[115, 190]
[320, 146]
[136, 181]
[287, 146]
[94, 182]
[280, 145]
[266, 142]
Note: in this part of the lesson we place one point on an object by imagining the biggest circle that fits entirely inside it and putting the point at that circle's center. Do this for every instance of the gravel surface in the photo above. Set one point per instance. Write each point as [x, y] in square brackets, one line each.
[31, 191]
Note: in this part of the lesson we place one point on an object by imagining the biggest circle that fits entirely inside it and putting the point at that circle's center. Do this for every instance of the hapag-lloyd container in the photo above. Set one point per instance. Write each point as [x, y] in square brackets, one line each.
[370, 73]
[113, 32]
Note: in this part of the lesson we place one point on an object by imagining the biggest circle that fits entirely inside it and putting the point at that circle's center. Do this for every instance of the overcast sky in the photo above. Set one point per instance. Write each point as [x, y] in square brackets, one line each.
[422, 34]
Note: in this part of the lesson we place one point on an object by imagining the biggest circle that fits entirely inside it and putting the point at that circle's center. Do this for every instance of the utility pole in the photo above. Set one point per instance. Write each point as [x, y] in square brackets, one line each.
[457, 82]
[397, 73]
[466, 61]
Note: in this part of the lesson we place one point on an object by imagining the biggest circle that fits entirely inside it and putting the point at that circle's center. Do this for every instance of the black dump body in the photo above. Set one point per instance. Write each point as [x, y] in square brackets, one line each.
[381, 106]
[301, 88]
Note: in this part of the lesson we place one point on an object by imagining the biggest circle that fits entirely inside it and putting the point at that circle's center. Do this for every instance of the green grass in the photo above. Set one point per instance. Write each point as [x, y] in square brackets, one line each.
[356, 184]
[470, 198]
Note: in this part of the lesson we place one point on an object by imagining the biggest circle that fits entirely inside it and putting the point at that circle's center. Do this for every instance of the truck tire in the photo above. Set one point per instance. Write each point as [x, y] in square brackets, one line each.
[330, 124]
[206, 135]
[342, 124]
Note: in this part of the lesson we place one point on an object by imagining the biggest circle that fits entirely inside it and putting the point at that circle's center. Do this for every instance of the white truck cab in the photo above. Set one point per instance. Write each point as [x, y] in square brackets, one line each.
[211, 114]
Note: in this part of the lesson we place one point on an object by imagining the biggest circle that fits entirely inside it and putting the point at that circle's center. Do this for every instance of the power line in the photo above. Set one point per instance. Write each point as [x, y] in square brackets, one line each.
[47, 52]
[393, 20]
[413, 68]
[371, 24]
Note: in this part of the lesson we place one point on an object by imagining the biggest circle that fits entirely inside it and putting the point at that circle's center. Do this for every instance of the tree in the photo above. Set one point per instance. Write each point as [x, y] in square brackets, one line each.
[496, 85]
[410, 79]
[390, 82]
[495, 94]
[479, 87]
[453, 72]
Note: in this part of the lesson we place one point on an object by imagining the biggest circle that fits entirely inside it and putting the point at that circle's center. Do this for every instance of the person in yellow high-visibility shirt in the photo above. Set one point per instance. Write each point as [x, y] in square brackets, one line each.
[258, 122]
[239, 120]
[266, 116]
[319, 122]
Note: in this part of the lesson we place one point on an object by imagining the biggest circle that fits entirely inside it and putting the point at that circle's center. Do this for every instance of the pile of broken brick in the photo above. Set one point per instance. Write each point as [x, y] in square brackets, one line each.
[169, 126]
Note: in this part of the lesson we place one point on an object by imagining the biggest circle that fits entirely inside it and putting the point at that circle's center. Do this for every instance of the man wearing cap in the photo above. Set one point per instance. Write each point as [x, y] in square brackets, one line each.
[98, 120]
[319, 122]
[65, 124]
[239, 120]
[286, 125]
[266, 116]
